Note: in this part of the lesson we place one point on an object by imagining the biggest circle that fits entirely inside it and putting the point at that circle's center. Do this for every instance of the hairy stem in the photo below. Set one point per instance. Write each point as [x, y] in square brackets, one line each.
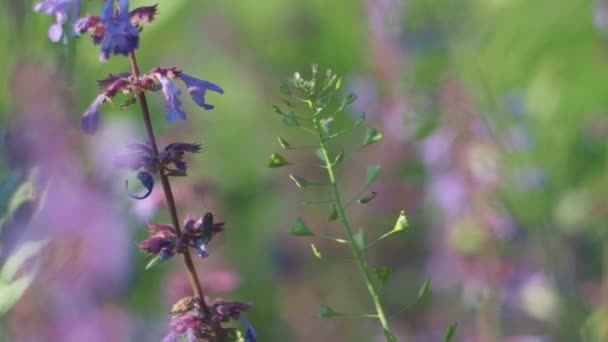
[194, 280]
[357, 252]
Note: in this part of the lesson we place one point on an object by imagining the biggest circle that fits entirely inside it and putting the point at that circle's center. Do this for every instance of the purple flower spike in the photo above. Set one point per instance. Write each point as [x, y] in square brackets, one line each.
[197, 89]
[121, 37]
[90, 119]
[172, 101]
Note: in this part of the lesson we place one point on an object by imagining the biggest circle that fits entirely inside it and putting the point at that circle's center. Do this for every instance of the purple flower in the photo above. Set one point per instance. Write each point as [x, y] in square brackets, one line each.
[250, 335]
[199, 233]
[197, 89]
[172, 101]
[90, 119]
[174, 153]
[57, 8]
[120, 36]
[162, 241]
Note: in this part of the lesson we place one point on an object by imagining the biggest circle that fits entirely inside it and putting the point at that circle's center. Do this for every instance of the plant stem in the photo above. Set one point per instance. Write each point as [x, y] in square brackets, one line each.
[194, 280]
[357, 253]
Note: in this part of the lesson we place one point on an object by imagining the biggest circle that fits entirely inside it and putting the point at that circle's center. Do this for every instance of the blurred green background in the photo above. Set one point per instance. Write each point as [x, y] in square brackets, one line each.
[521, 81]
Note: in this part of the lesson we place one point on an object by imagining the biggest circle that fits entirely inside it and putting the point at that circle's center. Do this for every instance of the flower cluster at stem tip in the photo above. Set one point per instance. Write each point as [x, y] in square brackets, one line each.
[117, 31]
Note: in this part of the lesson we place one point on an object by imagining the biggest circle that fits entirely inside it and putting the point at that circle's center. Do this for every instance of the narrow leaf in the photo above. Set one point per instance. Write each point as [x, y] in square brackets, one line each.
[277, 110]
[359, 238]
[383, 273]
[277, 160]
[401, 223]
[316, 251]
[348, 99]
[333, 215]
[153, 262]
[449, 333]
[326, 124]
[424, 289]
[371, 136]
[18, 258]
[299, 228]
[339, 83]
[13, 291]
[372, 173]
[8, 186]
[326, 312]
[339, 158]
[284, 144]
[300, 182]
[368, 198]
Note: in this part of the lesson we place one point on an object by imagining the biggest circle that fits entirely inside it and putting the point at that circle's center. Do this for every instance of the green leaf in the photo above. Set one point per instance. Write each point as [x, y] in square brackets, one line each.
[372, 173]
[316, 251]
[299, 228]
[285, 89]
[290, 120]
[277, 160]
[12, 289]
[153, 262]
[24, 193]
[15, 261]
[277, 110]
[333, 215]
[424, 289]
[401, 223]
[383, 273]
[359, 238]
[339, 158]
[8, 186]
[449, 333]
[326, 312]
[300, 182]
[348, 99]
[371, 136]
[11, 292]
[233, 335]
[389, 337]
[368, 198]
[326, 124]
[284, 144]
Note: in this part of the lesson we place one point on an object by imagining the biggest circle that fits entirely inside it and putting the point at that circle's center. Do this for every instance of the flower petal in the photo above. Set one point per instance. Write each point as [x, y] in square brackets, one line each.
[90, 119]
[172, 102]
[250, 335]
[197, 89]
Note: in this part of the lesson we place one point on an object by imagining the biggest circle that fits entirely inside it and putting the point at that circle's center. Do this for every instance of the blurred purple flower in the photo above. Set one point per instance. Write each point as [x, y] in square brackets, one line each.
[57, 8]
[120, 37]
[197, 89]
[450, 193]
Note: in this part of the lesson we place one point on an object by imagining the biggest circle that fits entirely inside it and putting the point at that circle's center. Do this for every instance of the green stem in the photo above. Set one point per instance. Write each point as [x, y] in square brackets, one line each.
[357, 253]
